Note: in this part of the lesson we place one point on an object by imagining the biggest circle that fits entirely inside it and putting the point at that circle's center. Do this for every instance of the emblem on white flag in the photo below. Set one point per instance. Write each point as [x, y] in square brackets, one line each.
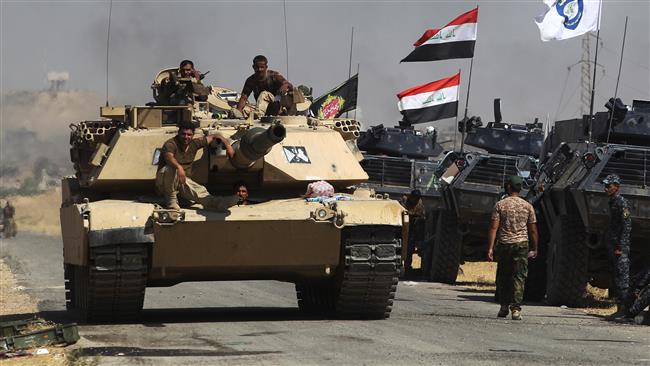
[568, 18]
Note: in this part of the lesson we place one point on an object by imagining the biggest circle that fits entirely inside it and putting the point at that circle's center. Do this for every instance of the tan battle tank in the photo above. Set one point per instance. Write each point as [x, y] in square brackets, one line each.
[343, 255]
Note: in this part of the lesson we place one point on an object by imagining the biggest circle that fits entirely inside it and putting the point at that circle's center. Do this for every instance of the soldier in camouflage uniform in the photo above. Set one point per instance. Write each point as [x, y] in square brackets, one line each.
[618, 242]
[513, 218]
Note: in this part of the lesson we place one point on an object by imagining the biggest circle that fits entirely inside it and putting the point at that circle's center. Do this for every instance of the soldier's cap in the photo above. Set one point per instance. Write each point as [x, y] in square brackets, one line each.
[515, 180]
[612, 179]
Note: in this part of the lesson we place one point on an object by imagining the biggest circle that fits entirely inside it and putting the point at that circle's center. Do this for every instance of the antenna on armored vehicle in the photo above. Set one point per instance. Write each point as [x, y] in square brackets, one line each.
[618, 78]
[108, 42]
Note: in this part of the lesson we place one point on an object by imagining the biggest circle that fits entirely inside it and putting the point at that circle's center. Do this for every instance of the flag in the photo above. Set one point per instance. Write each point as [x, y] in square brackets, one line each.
[568, 18]
[430, 102]
[341, 99]
[454, 40]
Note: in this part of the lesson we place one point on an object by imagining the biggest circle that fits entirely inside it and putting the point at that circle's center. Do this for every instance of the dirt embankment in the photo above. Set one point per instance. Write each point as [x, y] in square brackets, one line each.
[38, 213]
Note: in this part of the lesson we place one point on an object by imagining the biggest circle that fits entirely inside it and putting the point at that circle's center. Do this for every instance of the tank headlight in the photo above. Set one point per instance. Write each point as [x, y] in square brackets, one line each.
[589, 160]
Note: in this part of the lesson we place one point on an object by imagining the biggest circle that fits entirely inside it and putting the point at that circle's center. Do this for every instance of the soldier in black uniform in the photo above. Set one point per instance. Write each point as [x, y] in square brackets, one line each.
[618, 243]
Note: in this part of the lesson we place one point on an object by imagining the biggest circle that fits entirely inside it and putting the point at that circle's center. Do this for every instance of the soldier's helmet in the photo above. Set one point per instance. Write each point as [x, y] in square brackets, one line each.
[612, 179]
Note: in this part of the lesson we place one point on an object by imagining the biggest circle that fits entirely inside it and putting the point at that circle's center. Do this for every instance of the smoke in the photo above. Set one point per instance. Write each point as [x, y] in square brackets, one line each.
[35, 133]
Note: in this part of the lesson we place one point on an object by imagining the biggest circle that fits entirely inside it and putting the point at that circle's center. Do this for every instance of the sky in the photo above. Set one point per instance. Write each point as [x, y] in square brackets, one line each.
[511, 62]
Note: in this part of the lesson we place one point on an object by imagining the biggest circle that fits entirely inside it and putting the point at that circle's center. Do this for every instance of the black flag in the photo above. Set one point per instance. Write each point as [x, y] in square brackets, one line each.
[337, 101]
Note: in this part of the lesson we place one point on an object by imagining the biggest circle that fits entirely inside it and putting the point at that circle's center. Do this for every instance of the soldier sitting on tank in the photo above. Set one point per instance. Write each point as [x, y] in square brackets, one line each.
[240, 189]
[271, 90]
[173, 178]
[182, 85]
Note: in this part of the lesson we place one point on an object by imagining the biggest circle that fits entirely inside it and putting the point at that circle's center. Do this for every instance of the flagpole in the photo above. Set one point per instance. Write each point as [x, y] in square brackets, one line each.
[456, 123]
[350, 62]
[469, 84]
[593, 82]
[618, 78]
[355, 109]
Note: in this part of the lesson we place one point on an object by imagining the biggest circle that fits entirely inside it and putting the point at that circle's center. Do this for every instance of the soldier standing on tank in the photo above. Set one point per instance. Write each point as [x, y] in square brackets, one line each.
[417, 216]
[8, 222]
[174, 174]
[265, 85]
[514, 219]
[618, 243]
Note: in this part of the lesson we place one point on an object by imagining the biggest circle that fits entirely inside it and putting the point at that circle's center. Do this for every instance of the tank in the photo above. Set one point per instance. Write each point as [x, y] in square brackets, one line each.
[343, 254]
[474, 182]
[399, 160]
[570, 196]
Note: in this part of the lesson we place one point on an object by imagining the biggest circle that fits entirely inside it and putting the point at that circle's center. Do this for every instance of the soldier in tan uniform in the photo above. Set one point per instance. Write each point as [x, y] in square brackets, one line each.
[173, 178]
[514, 219]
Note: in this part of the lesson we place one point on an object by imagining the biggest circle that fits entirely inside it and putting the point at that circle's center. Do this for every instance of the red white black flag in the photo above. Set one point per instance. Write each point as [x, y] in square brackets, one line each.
[430, 102]
[454, 40]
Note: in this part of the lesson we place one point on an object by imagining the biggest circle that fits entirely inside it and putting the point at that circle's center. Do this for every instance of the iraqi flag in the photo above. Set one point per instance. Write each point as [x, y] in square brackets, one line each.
[454, 40]
[430, 102]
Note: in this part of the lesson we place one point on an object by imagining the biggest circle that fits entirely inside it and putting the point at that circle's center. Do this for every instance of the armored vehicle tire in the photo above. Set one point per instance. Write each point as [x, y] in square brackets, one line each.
[567, 262]
[366, 281]
[111, 287]
[445, 259]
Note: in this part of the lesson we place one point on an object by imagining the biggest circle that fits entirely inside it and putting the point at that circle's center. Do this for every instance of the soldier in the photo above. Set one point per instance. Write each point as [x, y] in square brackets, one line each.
[8, 222]
[618, 243]
[174, 170]
[181, 92]
[240, 189]
[265, 85]
[514, 218]
[417, 215]
[640, 297]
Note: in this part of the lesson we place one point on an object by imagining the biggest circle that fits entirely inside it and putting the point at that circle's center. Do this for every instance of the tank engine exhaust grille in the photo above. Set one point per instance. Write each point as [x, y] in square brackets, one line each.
[388, 171]
[632, 165]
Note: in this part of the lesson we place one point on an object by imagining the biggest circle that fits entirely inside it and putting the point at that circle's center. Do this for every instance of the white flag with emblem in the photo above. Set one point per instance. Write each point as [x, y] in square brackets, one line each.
[568, 18]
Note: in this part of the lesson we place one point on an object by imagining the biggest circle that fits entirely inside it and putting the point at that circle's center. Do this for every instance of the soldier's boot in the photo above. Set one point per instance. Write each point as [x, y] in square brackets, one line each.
[503, 312]
[516, 314]
[171, 201]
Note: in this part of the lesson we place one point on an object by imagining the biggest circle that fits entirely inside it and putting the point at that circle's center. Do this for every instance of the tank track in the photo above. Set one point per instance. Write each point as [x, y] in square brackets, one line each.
[367, 279]
[111, 288]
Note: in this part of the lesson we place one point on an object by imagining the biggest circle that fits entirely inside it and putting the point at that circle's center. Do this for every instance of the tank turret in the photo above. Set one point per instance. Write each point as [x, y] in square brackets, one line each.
[399, 142]
[256, 143]
[503, 138]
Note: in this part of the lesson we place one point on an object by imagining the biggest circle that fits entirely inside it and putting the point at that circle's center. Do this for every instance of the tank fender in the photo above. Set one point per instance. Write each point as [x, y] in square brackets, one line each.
[361, 212]
[116, 222]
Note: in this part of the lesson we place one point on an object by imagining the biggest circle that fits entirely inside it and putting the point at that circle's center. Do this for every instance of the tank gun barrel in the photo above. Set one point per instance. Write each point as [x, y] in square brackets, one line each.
[256, 143]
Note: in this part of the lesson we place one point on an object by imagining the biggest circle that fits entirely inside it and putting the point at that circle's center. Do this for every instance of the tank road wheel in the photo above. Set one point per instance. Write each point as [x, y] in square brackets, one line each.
[445, 259]
[366, 280]
[567, 262]
[111, 288]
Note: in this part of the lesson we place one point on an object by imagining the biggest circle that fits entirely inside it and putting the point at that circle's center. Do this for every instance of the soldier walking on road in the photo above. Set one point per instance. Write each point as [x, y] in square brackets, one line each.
[8, 222]
[618, 243]
[513, 218]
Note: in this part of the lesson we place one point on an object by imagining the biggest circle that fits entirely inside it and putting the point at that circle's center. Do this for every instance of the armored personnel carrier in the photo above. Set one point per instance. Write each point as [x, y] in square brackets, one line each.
[399, 160]
[343, 253]
[570, 195]
[474, 183]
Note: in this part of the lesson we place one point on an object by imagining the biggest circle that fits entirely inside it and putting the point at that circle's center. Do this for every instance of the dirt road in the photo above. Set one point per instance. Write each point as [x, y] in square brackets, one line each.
[237, 323]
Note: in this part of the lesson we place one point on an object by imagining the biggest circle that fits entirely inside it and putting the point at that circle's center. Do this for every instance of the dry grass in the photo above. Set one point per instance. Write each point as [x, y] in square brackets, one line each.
[479, 275]
[597, 302]
[39, 213]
